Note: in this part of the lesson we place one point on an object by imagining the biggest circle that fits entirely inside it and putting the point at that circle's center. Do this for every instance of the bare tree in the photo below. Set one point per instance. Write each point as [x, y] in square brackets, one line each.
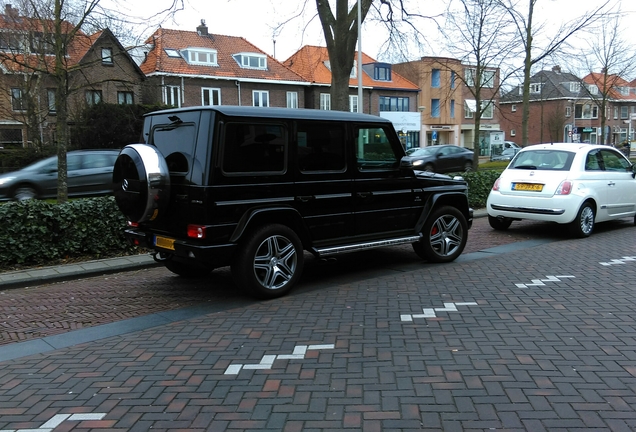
[614, 57]
[481, 35]
[528, 32]
[43, 34]
[341, 35]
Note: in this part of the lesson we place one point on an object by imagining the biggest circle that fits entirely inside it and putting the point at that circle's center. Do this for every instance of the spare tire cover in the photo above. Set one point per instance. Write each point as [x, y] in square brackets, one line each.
[141, 182]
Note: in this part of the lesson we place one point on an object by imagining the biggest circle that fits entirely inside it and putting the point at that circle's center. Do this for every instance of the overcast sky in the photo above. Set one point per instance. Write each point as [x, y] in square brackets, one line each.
[256, 20]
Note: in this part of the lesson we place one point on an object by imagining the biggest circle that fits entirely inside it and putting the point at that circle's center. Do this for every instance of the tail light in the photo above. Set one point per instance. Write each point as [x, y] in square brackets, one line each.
[196, 231]
[132, 224]
[564, 188]
[495, 187]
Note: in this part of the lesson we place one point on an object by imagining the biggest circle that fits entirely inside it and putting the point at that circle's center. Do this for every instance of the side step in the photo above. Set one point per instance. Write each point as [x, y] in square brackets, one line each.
[329, 251]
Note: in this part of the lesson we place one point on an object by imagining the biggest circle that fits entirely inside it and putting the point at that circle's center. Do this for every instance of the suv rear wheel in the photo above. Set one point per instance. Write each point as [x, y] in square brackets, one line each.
[269, 262]
[444, 236]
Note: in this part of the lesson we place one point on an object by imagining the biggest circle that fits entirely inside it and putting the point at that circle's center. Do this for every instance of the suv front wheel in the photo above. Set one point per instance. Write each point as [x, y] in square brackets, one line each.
[269, 262]
[444, 235]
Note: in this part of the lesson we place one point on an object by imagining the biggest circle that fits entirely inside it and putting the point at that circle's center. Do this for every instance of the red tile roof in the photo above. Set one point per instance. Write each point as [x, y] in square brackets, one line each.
[610, 82]
[158, 61]
[309, 62]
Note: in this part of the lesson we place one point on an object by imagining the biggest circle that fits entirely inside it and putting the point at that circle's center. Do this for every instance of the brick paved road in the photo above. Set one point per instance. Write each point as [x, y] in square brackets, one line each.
[35, 312]
[539, 339]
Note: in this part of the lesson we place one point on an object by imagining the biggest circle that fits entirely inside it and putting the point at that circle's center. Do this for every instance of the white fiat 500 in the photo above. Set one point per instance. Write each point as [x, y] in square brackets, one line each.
[567, 183]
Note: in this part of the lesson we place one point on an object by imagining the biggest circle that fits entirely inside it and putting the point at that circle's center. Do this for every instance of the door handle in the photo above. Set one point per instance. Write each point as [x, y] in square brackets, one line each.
[305, 198]
[611, 183]
[364, 194]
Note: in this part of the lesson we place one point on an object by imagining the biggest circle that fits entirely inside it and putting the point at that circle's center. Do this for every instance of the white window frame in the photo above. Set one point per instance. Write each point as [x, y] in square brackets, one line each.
[50, 98]
[201, 56]
[172, 93]
[568, 111]
[260, 98]
[535, 87]
[353, 103]
[575, 87]
[513, 132]
[513, 108]
[245, 59]
[107, 56]
[18, 101]
[487, 105]
[292, 99]
[211, 93]
[325, 101]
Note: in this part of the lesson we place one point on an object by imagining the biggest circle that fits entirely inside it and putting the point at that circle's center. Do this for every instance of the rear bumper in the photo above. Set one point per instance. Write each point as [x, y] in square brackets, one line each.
[220, 254]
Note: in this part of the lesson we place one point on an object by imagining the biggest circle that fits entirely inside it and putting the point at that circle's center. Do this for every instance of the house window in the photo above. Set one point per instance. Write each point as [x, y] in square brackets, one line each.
[382, 73]
[435, 108]
[17, 99]
[93, 97]
[568, 111]
[588, 111]
[593, 89]
[260, 98]
[615, 113]
[624, 112]
[292, 99]
[201, 56]
[513, 107]
[487, 77]
[353, 103]
[173, 96]
[172, 53]
[210, 96]
[487, 110]
[251, 60]
[535, 88]
[513, 132]
[575, 87]
[435, 78]
[452, 79]
[50, 95]
[452, 109]
[107, 56]
[470, 106]
[325, 101]
[388, 103]
[125, 98]
[624, 91]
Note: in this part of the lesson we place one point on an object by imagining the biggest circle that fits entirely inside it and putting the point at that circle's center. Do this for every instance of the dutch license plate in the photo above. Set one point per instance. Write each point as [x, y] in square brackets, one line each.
[164, 242]
[527, 187]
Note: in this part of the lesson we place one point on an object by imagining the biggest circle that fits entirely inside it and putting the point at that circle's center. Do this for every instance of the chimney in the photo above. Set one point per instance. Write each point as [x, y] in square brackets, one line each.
[10, 12]
[202, 30]
[556, 69]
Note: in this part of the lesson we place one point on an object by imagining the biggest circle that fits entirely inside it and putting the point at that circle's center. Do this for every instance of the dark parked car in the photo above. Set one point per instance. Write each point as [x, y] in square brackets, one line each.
[442, 159]
[254, 188]
[90, 173]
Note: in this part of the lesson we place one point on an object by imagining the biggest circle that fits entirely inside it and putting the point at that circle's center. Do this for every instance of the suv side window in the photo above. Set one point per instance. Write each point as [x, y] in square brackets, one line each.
[321, 147]
[250, 148]
[374, 150]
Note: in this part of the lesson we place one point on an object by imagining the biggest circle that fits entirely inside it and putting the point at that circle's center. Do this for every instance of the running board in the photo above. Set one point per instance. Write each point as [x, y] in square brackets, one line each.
[328, 251]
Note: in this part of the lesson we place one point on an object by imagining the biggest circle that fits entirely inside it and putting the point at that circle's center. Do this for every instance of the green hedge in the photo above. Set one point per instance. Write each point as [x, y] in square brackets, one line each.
[479, 185]
[38, 232]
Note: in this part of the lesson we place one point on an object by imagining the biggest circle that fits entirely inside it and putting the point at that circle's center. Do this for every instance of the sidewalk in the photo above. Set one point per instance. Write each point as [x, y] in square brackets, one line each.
[41, 275]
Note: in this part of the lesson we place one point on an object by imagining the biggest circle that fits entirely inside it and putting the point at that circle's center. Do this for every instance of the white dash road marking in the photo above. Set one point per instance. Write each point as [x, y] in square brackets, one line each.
[57, 420]
[540, 282]
[268, 360]
[623, 260]
[430, 312]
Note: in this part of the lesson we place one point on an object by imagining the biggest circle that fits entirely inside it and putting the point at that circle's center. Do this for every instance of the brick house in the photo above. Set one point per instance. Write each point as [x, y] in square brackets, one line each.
[99, 69]
[384, 91]
[192, 68]
[566, 108]
[448, 105]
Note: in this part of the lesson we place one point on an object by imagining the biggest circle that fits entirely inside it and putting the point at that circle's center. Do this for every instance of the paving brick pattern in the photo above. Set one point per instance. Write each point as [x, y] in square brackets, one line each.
[40, 311]
[554, 357]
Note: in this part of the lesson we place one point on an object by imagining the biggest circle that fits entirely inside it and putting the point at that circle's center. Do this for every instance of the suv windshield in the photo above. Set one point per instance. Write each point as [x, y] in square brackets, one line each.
[550, 160]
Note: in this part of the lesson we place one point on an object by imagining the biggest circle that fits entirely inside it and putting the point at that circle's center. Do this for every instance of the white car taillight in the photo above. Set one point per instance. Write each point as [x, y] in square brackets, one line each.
[564, 188]
[495, 187]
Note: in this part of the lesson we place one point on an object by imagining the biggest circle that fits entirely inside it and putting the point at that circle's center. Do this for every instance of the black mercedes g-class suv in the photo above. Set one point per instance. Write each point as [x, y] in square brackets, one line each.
[254, 187]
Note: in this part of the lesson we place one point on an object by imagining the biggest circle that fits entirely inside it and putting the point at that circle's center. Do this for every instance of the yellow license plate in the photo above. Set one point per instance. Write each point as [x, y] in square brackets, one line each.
[164, 242]
[527, 187]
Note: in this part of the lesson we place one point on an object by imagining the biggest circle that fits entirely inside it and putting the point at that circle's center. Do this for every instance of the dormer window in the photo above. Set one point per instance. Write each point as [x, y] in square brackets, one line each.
[382, 73]
[251, 60]
[535, 87]
[575, 87]
[354, 69]
[201, 56]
